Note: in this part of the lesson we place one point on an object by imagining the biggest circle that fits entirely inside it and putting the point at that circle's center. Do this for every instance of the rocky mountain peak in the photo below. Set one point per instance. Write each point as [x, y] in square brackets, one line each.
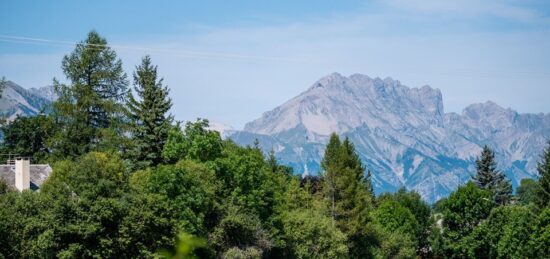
[402, 134]
[334, 79]
[486, 109]
[489, 114]
[336, 103]
[18, 101]
[46, 92]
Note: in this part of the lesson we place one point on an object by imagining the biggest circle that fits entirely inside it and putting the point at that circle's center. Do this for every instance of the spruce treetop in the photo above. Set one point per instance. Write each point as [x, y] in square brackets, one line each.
[488, 178]
[148, 113]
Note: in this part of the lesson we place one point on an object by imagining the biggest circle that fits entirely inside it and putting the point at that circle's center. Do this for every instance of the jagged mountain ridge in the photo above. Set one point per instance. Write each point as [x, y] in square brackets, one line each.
[18, 101]
[402, 134]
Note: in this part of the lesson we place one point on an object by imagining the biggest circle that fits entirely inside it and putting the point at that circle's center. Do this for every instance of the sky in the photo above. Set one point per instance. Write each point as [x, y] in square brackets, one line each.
[230, 61]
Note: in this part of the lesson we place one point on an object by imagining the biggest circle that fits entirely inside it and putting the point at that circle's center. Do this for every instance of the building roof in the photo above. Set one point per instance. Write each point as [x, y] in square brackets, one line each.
[38, 174]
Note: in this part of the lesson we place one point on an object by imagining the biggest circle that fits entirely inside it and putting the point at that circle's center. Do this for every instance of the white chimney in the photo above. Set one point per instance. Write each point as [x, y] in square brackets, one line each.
[22, 174]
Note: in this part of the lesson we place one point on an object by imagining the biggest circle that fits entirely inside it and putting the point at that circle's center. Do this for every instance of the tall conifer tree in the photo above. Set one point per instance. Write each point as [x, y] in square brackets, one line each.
[346, 193]
[92, 101]
[489, 178]
[149, 115]
[331, 168]
[486, 169]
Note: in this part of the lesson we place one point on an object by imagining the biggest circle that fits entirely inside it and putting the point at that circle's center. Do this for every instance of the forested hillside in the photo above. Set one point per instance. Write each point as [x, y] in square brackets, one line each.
[130, 182]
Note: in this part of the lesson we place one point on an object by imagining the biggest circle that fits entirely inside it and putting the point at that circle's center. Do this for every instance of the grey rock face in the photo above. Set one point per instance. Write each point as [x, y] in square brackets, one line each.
[18, 101]
[402, 134]
[46, 92]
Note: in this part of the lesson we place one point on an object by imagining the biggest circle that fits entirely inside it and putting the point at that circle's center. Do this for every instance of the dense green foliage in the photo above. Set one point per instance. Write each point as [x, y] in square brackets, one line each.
[148, 115]
[28, 136]
[311, 234]
[462, 212]
[346, 194]
[127, 182]
[90, 108]
[398, 208]
[87, 209]
[528, 192]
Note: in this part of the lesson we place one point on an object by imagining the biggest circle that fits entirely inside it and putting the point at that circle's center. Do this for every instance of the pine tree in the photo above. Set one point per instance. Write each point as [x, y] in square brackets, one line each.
[345, 191]
[543, 197]
[489, 178]
[148, 114]
[91, 105]
[330, 166]
[486, 169]
[502, 190]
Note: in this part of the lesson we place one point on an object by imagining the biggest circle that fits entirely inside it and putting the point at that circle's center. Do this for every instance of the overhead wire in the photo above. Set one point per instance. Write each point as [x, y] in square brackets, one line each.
[184, 53]
[222, 56]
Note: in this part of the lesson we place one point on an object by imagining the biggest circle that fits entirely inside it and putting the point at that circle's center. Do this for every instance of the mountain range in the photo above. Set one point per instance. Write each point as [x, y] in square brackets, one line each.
[18, 101]
[402, 134]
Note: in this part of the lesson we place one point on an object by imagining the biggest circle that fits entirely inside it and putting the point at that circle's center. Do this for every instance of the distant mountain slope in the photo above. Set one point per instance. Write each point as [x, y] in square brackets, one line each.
[17, 100]
[401, 133]
[46, 92]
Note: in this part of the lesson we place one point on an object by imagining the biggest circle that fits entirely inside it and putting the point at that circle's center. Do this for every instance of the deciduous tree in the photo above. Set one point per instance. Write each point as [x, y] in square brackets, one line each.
[462, 213]
[28, 136]
[528, 191]
[195, 142]
[310, 234]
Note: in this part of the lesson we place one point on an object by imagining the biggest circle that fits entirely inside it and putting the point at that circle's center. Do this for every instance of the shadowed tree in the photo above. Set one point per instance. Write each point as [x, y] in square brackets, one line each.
[89, 108]
[27, 136]
[462, 212]
[527, 191]
[346, 193]
[489, 178]
[149, 115]
[543, 197]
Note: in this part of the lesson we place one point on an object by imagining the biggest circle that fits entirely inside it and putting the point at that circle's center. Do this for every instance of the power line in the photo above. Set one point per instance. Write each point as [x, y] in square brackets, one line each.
[221, 56]
[184, 53]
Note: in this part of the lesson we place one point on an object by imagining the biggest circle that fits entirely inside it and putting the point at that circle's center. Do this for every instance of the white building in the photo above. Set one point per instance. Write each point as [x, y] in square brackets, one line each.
[20, 174]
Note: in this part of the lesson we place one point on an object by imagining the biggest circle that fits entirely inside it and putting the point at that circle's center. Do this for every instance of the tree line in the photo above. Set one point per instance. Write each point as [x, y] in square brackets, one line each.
[130, 182]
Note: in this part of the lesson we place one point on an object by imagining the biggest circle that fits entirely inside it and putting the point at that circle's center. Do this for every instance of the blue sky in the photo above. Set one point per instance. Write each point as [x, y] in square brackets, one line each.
[230, 61]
